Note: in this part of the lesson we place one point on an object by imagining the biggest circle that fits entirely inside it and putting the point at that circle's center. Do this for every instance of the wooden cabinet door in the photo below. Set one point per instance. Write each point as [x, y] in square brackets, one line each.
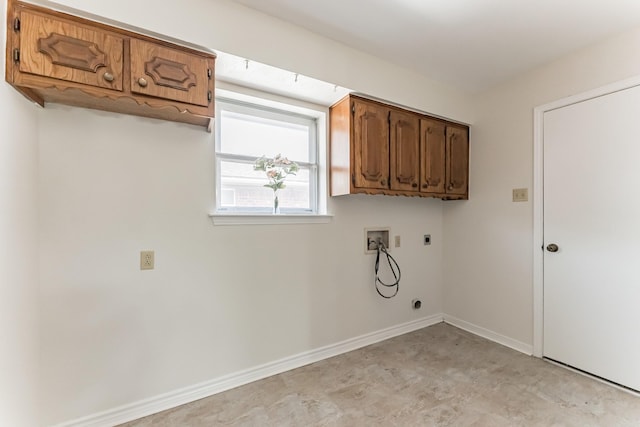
[405, 150]
[370, 145]
[432, 156]
[168, 73]
[457, 160]
[64, 50]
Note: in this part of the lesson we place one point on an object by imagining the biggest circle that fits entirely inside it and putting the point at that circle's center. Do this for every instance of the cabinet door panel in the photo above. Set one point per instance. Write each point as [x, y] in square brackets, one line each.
[169, 73]
[67, 51]
[371, 145]
[405, 151]
[457, 160]
[432, 156]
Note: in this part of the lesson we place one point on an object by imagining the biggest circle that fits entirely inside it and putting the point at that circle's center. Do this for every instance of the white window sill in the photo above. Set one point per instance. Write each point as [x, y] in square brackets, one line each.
[268, 219]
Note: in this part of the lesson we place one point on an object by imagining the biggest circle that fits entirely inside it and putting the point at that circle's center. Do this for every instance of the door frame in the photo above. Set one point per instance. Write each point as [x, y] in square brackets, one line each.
[538, 196]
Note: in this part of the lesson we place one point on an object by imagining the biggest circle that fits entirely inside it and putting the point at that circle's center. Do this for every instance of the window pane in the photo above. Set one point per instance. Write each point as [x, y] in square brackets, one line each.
[247, 187]
[257, 136]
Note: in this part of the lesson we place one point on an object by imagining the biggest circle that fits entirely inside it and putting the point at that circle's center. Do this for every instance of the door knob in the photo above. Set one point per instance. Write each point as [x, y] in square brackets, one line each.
[552, 247]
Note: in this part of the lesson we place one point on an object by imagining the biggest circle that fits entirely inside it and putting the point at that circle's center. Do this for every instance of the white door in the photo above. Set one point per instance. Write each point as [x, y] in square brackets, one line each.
[592, 213]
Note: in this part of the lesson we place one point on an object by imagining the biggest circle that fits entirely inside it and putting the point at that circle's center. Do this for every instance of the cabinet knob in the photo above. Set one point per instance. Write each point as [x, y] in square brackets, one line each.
[383, 182]
[450, 186]
[414, 185]
[426, 184]
[108, 77]
[142, 82]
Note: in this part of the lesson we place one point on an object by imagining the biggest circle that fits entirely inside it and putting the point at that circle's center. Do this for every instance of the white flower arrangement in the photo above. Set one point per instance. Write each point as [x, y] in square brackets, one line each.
[276, 169]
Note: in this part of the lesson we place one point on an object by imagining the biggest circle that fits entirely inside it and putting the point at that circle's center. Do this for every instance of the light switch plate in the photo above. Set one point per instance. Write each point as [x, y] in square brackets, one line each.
[520, 194]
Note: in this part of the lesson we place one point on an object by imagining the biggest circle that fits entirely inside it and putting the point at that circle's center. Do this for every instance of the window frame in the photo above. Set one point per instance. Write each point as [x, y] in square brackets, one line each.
[281, 112]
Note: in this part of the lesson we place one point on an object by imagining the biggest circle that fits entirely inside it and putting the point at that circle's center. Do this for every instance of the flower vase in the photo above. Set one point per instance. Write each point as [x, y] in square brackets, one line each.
[276, 203]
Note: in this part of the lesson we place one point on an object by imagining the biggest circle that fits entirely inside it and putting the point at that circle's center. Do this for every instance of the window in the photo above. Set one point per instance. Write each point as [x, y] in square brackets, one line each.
[245, 132]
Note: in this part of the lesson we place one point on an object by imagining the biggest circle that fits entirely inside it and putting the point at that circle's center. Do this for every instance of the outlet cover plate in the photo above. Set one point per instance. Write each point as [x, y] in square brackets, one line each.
[520, 194]
[147, 260]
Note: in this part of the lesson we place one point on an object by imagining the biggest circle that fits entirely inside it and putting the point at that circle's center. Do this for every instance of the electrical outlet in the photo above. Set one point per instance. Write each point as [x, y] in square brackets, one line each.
[520, 194]
[147, 260]
[396, 240]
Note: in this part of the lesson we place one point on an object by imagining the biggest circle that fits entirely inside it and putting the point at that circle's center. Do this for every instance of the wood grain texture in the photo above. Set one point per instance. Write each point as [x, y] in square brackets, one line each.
[339, 150]
[457, 160]
[172, 74]
[432, 158]
[64, 50]
[72, 52]
[370, 144]
[95, 98]
[381, 149]
[75, 73]
[405, 150]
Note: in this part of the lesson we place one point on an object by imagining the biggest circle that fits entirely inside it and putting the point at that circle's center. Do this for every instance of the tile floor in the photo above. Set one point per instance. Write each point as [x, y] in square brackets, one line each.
[437, 376]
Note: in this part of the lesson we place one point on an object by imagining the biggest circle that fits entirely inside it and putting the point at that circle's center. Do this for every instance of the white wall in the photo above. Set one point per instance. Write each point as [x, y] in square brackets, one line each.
[221, 299]
[488, 248]
[235, 29]
[18, 256]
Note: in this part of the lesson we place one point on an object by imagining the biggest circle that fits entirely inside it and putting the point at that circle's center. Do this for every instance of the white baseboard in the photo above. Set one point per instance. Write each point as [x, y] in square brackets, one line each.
[490, 335]
[175, 398]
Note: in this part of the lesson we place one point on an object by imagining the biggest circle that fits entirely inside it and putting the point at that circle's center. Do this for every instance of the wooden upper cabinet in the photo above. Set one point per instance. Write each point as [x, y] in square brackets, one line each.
[457, 169]
[168, 73]
[405, 150]
[371, 144]
[64, 50]
[432, 155]
[57, 57]
[377, 148]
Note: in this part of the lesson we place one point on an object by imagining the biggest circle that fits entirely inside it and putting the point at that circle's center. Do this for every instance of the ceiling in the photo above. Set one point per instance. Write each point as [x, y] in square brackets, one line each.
[471, 44]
